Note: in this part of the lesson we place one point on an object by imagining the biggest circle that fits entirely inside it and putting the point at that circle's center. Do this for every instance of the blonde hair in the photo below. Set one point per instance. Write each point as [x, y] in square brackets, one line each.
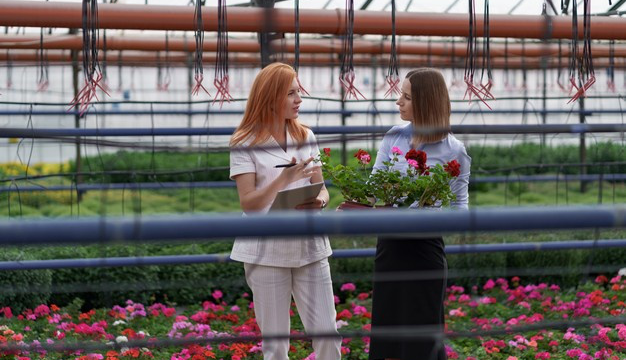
[268, 95]
[431, 104]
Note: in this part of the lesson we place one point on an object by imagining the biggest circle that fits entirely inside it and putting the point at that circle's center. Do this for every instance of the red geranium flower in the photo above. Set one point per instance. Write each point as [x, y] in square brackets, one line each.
[327, 151]
[453, 168]
[363, 156]
[417, 155]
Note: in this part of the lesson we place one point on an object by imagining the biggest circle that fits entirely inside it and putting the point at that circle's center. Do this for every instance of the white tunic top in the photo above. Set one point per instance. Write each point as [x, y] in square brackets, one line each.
[441, 152]
[276, 251]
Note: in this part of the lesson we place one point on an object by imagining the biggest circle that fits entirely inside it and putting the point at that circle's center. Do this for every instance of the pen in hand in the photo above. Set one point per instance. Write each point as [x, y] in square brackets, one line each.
[285, 165]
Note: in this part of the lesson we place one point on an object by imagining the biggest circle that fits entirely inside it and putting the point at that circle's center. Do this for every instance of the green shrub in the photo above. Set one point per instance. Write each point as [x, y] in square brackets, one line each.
[23, 289]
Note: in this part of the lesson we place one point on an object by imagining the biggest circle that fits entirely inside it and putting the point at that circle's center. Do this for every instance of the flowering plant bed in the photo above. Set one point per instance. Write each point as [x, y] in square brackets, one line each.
[499, 304]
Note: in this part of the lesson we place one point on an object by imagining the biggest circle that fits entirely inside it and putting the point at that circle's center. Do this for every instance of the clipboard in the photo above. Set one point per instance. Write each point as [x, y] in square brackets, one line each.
[289, 199]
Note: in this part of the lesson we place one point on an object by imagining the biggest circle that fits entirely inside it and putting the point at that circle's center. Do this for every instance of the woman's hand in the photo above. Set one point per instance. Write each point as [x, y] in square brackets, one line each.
[314, 203]
[299, 171]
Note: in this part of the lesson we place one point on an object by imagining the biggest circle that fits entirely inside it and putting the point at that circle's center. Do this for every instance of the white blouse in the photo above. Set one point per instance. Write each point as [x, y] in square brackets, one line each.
[441, 152]
[276, 251]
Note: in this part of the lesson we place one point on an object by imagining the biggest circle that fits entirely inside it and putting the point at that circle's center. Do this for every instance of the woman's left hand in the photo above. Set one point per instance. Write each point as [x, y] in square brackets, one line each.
[315, 203]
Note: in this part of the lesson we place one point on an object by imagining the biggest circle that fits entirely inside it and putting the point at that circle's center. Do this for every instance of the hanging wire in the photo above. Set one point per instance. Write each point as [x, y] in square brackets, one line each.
[486, 65]
[199, 36]
[221, 62]
[296, 63]
[559, 69]
[346, 76]
[586, 74]
[43, 65]
[470, 60]
[393, 78]
[610, 82]
[9, 70]
[164, 75]
[91, 66]
[119, 72]
[506, 64]
[105, 77]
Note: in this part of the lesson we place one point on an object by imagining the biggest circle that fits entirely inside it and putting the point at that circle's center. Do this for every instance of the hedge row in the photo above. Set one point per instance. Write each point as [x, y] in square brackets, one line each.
[487, 160]
[189, 284]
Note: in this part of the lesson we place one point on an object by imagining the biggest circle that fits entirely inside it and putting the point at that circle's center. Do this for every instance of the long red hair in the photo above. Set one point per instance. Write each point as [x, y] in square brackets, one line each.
[268, 95]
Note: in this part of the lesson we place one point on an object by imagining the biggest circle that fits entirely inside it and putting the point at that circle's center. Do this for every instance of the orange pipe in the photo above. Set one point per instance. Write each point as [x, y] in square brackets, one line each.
[134, 58]
[156, 17]
[307, 46]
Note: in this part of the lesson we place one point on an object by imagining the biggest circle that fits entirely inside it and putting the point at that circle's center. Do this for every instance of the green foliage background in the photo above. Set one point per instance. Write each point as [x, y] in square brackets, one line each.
[189, 284]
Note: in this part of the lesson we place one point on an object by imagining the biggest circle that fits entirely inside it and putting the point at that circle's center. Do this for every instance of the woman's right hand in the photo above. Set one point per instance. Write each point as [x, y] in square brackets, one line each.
[299, 171]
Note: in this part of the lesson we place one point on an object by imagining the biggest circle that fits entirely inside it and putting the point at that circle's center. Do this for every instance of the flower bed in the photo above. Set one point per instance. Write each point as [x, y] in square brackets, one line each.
[498, 304]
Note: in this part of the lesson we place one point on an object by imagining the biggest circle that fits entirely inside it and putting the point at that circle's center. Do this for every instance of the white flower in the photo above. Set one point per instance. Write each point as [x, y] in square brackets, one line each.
[119, 322]
[341, 323]
[121, 338]
[622, 272]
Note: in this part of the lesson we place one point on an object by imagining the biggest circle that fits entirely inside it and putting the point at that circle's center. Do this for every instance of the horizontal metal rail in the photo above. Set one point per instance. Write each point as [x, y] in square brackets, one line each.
[231, 184]
[320, 130]
[348, 112]
[339, 254]
[103, 230]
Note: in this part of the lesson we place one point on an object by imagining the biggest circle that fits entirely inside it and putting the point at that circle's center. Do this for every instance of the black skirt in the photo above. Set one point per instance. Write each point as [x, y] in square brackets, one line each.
[408, 302]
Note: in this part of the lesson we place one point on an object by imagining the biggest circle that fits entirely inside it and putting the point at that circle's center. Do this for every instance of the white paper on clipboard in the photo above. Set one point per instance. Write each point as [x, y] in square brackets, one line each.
[289, 199]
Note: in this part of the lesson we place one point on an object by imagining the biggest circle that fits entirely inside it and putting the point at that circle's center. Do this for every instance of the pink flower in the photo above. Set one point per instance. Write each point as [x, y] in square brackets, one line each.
[489, 285]
[359, 310]
[337, 300]
[543, 355]
[363, 157]
[573, 353]
[217, 294]
[396, 151]
[234, 308]
[511, 358]
[413, 163]
[363, 296]
[348, 287]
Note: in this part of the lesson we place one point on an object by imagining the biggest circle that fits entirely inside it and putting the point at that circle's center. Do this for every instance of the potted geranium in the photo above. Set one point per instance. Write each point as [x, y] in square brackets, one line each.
[352, 182]
[425, 185]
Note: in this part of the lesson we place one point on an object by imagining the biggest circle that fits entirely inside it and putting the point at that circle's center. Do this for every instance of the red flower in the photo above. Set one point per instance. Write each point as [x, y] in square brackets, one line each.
[417, 155]
[453, 168]
[363, 156]
[327, 151]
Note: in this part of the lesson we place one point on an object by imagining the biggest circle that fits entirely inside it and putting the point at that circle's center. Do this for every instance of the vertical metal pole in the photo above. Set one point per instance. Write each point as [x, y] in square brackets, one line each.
[265, 34]
[189, 87]
[582, 147]
[544, 102]
[373, 102]
[344, 117]
[75, 75]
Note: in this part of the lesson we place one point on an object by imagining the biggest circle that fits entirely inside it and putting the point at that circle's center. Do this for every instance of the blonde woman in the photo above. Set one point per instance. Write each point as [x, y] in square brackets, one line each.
[423, 103]
[277, 268]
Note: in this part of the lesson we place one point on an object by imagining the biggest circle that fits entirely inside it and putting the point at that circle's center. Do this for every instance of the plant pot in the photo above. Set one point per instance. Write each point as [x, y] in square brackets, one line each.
[352, 205]
[384, 207]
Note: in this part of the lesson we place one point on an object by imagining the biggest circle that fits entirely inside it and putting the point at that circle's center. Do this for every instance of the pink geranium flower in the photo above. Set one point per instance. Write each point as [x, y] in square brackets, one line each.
[348, 287]
[395, 150]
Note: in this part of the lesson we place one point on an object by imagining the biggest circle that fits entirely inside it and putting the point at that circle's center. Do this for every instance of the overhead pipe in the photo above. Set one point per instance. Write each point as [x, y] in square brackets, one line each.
[307, 46]
[240, 19]
[130, 58]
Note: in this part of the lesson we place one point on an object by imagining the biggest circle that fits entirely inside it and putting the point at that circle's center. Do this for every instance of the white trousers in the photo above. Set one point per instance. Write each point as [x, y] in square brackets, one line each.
[312, 290]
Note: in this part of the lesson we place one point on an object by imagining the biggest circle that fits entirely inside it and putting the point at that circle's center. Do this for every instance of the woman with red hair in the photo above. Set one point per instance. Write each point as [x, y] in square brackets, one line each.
[277, 267]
